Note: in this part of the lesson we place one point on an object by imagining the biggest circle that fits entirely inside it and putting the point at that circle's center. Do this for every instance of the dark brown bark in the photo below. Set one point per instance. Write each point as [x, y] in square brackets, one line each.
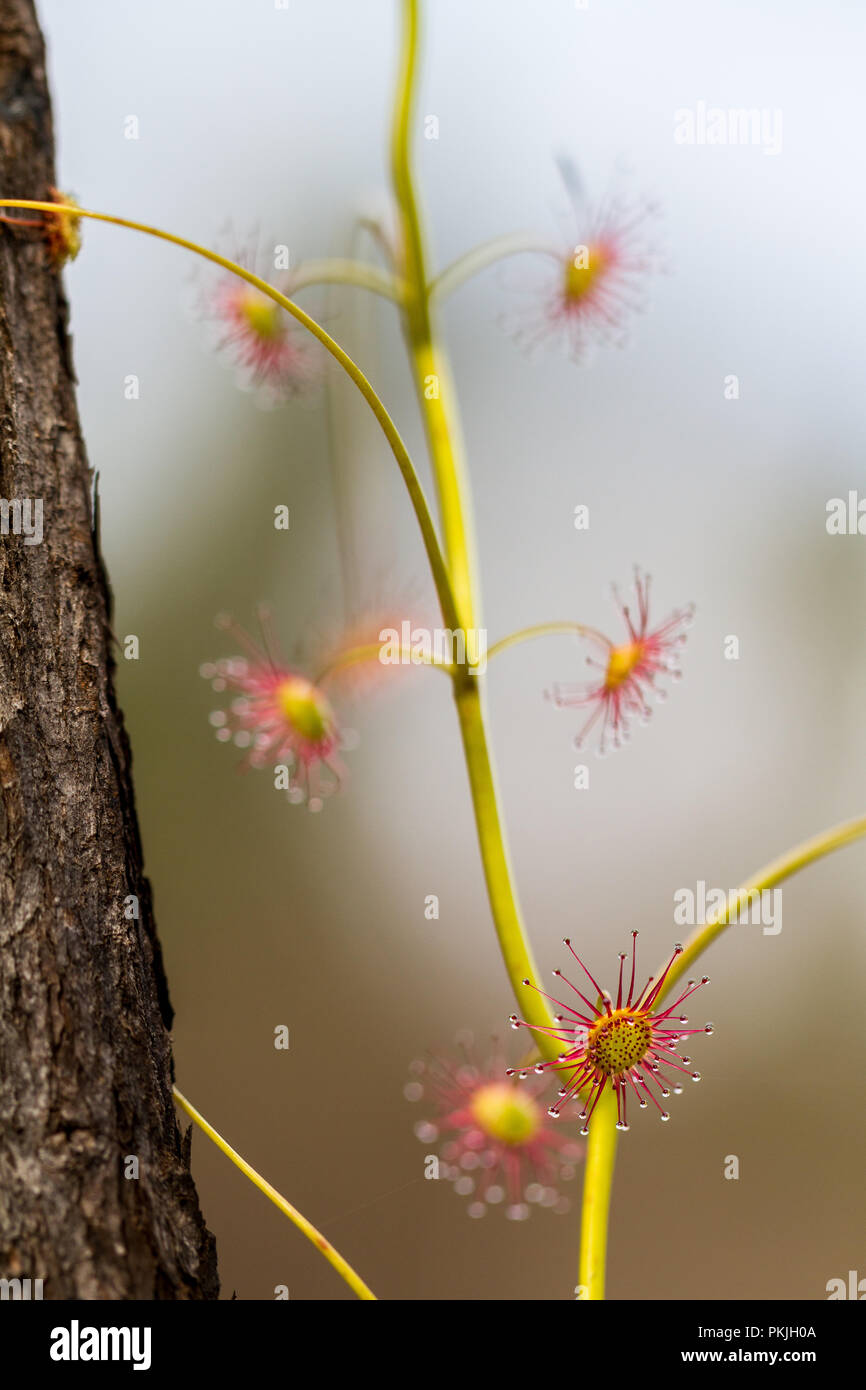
[85, 1059]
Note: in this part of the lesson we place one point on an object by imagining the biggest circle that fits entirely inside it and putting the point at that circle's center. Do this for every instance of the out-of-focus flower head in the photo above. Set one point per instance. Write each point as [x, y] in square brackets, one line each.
[598, 279]
[494, 1142]
[629, 671]
[272, 354]
[277, 714]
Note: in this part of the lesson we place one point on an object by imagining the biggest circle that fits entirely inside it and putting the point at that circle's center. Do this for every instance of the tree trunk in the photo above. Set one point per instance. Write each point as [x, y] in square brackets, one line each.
[85, 1058]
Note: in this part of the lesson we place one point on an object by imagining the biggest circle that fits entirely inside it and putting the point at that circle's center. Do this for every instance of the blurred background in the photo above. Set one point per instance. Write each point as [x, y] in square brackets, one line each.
[260, 121]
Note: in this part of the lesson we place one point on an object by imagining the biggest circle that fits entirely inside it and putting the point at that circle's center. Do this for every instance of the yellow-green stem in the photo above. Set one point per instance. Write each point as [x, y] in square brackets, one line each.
[372, 652]
[778, 869]
[341, 1265]
[479, 258]
[339, 270]
[597, 1186]
[439, 409]
[513, 942]
[431, 372]
[527, 634]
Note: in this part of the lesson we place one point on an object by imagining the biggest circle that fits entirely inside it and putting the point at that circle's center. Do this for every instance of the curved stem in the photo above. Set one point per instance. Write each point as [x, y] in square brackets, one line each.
[374, 226]
[22, 221]
[479, 258]
[526, 634]
[341, 1265]
[371, 651]
[336, 270]
[778, 869]
[601, 1148]
[389, 429]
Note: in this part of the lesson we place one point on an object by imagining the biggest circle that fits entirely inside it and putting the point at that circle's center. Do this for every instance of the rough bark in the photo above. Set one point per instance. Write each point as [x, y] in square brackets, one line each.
[85, 1059]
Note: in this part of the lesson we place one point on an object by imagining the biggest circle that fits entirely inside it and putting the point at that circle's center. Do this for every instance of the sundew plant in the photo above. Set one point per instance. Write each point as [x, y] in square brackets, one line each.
[590, 1050]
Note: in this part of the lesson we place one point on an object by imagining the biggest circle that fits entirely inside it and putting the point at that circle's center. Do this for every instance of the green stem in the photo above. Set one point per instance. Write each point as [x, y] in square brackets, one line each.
[436, 394]
[440, 419]
[341, 1265]
[372, 651]
[338, 270]
[513, 941]
[597, 1187]
[601, 1148]
[439, 411]
[526, 634]
[837, 837]
[479, 258]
